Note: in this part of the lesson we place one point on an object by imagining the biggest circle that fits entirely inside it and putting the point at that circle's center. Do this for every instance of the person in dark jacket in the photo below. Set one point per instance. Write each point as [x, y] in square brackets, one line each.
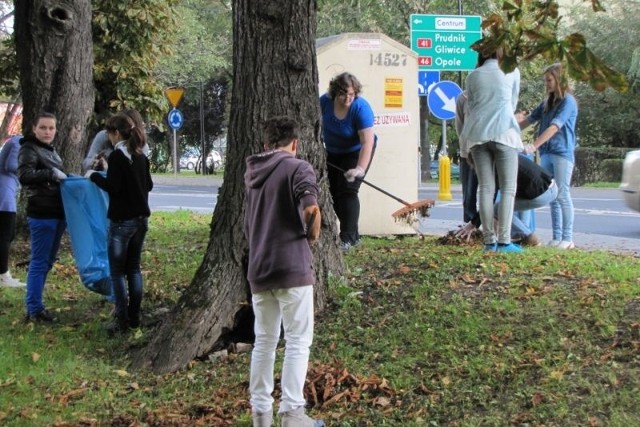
[535, 188]
[128, 183]
[281, 219]
[40, 173]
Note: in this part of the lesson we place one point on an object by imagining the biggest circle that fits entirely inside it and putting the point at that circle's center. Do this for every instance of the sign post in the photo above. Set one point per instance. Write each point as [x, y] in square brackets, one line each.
[175, 120]
[442, 103]
[443, 42]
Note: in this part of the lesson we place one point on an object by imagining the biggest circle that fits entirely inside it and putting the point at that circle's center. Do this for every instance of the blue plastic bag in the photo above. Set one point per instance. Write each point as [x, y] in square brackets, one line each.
[85, 207]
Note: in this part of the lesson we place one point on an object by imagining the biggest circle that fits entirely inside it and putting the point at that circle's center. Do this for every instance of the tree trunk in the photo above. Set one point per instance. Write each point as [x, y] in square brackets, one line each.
[10, 118]
[55, 59]
[275, 73]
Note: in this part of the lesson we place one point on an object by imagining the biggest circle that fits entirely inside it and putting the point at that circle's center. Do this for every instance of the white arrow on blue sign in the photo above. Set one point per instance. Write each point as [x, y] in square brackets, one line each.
[442, 99]
[175, 119]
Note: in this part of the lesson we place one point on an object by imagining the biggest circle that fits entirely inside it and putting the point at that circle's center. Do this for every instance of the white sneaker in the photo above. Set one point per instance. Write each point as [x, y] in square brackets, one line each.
[262, 419]
[297, 418]
[6, 281]
[553, 243]
[565, 245]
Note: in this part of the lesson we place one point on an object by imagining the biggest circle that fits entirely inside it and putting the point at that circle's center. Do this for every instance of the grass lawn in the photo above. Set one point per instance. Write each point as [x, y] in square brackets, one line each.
[417, 333]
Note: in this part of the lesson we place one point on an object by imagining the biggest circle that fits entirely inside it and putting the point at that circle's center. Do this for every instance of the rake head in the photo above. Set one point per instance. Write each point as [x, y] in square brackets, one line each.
[414, 212]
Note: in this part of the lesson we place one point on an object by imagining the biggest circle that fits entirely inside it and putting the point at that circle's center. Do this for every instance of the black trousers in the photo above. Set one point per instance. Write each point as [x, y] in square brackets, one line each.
[346, 202]
[7, 234]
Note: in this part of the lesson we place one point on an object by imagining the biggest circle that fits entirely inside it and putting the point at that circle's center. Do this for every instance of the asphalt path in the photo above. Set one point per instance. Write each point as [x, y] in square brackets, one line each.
[602, 221]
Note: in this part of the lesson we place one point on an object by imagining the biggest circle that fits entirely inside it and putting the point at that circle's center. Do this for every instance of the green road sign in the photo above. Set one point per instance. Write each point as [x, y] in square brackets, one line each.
[443, 42]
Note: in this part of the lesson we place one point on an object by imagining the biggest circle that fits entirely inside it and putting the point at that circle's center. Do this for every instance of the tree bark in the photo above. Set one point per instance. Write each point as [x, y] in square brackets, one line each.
[10, 118]
[275, 73]
[55, 59]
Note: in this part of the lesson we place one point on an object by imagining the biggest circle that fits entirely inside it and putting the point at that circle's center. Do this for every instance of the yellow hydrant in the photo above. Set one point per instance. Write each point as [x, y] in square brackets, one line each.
[444, 178]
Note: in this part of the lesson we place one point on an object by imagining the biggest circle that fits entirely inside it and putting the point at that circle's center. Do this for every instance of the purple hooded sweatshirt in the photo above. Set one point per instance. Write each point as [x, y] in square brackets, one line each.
[278, 188]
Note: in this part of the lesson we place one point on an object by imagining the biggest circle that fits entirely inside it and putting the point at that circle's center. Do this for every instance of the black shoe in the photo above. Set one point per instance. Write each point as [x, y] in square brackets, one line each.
[44, 316]
[115, 327]
[134, 322]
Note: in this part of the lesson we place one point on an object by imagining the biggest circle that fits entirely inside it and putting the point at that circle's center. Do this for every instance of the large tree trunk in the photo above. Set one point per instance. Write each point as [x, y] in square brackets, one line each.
[55, 58]
[275, 72]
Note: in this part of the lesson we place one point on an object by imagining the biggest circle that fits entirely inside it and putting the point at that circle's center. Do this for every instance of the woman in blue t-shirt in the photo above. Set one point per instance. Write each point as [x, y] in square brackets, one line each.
[347, 122]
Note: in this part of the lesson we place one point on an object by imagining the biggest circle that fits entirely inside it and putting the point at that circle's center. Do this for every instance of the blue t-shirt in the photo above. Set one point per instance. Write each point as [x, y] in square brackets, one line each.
[341, 136]
[564, 116]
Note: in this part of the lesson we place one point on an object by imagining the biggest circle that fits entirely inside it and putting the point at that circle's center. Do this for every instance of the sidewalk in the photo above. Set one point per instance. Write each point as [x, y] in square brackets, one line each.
[587, 241]
[438, 227]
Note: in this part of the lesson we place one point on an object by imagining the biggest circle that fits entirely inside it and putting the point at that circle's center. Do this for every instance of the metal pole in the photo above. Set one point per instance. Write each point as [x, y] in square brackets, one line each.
[175, 154]
[460, 72]
[204, 155]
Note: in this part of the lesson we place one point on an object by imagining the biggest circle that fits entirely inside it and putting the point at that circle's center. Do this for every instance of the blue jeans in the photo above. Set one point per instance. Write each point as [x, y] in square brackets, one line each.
[126, 239]
[45, 241]
[520, 228]
[490, 158]
[469, 181]
[562, 208]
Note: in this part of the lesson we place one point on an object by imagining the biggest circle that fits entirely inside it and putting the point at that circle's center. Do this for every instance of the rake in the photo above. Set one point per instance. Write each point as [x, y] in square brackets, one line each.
[410, 213]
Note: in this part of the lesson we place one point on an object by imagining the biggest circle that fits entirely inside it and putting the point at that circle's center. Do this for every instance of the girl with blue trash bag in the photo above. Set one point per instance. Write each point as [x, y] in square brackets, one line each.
[128, 183]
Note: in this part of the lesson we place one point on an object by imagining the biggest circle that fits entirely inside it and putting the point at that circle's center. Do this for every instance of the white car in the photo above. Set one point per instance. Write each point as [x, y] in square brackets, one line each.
[188, 162]
[214, 159]
[631, 180]
[214, 162]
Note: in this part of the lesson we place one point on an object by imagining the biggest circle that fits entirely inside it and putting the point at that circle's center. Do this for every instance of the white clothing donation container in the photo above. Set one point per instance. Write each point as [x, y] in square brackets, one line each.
[388, 72]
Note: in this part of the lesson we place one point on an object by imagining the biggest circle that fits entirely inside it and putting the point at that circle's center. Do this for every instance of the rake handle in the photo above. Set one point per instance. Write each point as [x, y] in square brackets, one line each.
[373, 186]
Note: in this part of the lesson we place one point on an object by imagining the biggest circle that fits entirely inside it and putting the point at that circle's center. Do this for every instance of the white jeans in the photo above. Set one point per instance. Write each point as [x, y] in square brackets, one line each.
[293, 308]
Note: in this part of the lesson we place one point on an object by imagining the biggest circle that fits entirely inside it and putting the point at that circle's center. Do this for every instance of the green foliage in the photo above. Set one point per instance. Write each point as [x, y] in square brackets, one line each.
[201, 43]
[528, 29]
[129, 38]
[610, 118]
[598, 164]
[417, 333]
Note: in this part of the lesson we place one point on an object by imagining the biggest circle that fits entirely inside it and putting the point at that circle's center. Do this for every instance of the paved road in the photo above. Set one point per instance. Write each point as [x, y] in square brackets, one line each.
[602, 221]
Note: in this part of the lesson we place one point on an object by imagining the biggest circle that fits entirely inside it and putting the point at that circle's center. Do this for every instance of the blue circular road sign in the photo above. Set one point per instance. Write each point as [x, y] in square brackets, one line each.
[175, 119]
[442, 99]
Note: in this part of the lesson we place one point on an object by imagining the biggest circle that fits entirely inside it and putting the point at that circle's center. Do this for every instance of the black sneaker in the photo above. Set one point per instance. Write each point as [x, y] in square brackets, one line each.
[44, 316]
[115, 328]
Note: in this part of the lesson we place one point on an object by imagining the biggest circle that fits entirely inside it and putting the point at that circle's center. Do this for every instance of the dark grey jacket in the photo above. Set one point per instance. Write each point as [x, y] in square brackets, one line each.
[278, 188]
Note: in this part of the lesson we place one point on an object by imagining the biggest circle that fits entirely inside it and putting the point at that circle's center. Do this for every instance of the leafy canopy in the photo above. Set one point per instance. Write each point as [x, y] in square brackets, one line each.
[527, 29]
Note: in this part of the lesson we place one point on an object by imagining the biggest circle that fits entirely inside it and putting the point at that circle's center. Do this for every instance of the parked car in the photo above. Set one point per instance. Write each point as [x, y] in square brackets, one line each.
[434, 170]
[188, 161]
[630, 185]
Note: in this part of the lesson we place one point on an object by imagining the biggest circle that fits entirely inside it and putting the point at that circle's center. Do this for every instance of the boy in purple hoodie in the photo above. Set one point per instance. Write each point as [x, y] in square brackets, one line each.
[282, 220]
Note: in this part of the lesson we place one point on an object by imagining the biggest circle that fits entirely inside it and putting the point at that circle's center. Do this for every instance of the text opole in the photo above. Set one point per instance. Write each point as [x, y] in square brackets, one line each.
[453, 62]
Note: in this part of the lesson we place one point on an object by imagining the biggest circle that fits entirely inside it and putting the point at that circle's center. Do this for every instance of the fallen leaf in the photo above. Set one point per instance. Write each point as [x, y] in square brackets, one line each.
[35, 357]
[537, 399]
[121, 373]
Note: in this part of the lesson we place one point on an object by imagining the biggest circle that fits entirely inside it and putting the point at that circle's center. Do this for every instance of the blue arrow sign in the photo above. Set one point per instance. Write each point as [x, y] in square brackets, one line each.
[425, 80]
[442, 99]
[175, 119]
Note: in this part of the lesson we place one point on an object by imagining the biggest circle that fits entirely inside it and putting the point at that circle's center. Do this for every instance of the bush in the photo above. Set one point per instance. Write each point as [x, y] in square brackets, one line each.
[598, 164]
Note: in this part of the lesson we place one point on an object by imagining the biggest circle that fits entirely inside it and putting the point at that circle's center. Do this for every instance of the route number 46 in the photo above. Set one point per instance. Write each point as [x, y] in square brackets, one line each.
[388, 59]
